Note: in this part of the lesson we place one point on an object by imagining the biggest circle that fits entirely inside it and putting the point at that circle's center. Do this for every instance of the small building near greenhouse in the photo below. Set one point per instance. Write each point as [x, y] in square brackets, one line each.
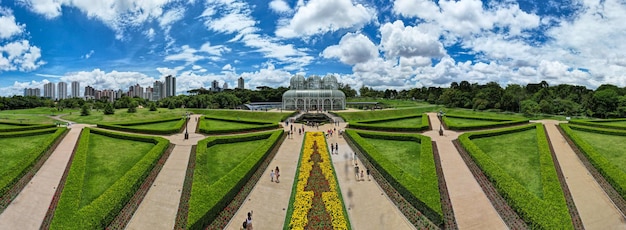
[314, 93]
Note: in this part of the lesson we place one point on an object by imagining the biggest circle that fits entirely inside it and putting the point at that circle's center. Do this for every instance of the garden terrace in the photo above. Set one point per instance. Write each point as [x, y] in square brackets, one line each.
[606, 124]
[15, 127]
[411, 123]
[272, 117]
[464, 122]
[604, 148]
[214, 125]
[123, 116]
[319, 118]
[518, 161]
[223, 165]
[32, 116]
[160, 127]
[410, 169]
[383, 114]
[106, 170]
[21, 151]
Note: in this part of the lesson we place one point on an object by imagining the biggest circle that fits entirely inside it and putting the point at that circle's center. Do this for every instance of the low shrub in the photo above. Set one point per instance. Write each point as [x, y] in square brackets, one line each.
[207, 201]
[24, 126]
[128, 126]
[551, 212]
[376, 126]
[16, 172]
[600, 123]
[611, 172]
[101, 211]
[261, 126]
[422, 193]
[498, 122]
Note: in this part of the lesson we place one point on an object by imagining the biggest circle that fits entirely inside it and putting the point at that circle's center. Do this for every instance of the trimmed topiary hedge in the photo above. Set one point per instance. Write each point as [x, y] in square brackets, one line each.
[262, 126]
[207, 201]
[101, 211]
[373, 124]
[128, 126]
[600, 123]
[498, 122]
[612, 173]
[24, 126]
[423, 192]
[8, 179]
[551, 212]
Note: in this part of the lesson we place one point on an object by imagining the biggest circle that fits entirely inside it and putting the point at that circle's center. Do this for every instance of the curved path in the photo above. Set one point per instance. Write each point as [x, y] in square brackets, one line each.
[472, 208]
[595, 208]
[29, 208]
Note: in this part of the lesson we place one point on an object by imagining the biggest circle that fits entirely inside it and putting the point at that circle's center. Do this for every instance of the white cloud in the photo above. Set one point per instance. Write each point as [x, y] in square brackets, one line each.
[323, 16]
[352, 49]
[398, 40]
[191, 55]
[425, 9]
[88, 55]
[20, 55]
[268, 76]
[8, 26]
[170, 17]
[279, 6]
[150, 34]
[164, 71]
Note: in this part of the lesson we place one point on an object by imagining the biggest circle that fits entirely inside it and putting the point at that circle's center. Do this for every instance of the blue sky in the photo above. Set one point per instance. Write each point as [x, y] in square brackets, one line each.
[398, 44]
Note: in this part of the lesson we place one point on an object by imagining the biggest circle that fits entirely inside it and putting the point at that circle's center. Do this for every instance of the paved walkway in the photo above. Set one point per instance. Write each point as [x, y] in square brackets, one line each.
[594, 207]
[472, 208]
[160, 205]
[29, 208]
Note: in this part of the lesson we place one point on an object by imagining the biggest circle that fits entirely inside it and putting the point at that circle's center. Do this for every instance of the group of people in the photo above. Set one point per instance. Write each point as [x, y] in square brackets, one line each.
[247, 223]
[334, 149]
[274, 175]
[359, 173]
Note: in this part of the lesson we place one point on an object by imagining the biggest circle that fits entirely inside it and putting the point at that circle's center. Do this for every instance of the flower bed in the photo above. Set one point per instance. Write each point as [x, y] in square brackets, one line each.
[317, 202]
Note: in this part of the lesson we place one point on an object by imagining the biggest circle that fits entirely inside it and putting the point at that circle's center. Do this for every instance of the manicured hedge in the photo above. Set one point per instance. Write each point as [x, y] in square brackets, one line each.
[498, 122]
[128, 126]
[423, 192]
[206, 202]
[600, 123]
[24, 126]
[16, 172]
[612, 173]
[374, 124]
[213, 131]
[101, 211]
[273, 117]
[548, 213]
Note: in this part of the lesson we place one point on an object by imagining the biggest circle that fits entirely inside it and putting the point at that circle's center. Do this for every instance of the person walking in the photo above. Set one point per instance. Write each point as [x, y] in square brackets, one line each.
[277, 174]
[249, 221]
[332, 148]
[356, 170]
[337, 147]
[362, 176]
[272, 176]
[368, 174]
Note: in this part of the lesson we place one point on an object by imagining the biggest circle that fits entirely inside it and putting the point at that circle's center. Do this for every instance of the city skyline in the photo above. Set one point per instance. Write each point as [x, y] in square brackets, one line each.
[398, 44]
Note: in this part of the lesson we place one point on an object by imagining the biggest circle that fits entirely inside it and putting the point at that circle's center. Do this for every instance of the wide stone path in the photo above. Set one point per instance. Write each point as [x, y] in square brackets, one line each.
[29, 208]
[160, 205]
[472, 208]
[594, 207]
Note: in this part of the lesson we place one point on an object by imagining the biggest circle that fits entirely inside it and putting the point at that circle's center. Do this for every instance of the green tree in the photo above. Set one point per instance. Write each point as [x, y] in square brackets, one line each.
[108, 109]
[530, 107]
[132, 107]
[85, 110]
[171, 105]
[153, 106]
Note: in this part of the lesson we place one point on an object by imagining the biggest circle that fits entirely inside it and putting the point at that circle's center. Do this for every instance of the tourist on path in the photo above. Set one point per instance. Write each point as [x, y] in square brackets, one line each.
[368, 174]
[277, 172]
[356, 170]
[272, 176]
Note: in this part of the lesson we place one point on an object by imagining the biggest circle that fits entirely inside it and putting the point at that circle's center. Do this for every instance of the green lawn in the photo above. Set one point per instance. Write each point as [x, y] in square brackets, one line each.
[609, 146]
[518, 155]
[211, 124]
[404, 154]
[394, 103]
[469, 121]
[15, 150]
[105, 166]
[122, 115]
[409, 122]
[620, 123]
[222, 158]
[244, 114]
[160, 125]
[8, 126]
[383, 114]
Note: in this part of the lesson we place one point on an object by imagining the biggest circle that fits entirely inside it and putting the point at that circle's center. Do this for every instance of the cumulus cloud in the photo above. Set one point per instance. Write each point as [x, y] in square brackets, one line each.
[8, 26]
[352, 49]
[191, 55]
[20, 55]
[279, 6]
[323, 16]
[400, 41]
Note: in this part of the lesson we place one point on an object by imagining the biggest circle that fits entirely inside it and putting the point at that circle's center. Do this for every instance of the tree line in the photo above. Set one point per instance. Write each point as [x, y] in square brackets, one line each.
[570, 100]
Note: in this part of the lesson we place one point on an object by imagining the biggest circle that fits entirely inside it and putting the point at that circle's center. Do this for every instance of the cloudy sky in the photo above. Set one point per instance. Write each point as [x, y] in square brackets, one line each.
[111, 44]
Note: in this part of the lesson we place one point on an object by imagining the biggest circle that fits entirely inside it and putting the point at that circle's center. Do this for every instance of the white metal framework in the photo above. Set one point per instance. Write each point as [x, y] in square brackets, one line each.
[314, 93]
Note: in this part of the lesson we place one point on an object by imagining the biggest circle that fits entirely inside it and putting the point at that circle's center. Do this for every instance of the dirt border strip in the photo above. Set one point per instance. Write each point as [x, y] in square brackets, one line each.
[571, 205]
[617, 200]
[127, 212]
[15, 190]
[45, 224]
[448, 212]
[508, 215]
[183, 205]
[414, 216]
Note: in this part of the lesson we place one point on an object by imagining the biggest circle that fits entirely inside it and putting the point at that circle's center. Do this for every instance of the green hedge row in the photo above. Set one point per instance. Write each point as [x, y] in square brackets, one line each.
[24, 127]
[551, 212]
[214, 131]
[100, 212]
[372, 124]
[498, 122]
[423, 192]
[612, 173]
[8, 179]
[207, 201]
[128, 126]
[599, 123]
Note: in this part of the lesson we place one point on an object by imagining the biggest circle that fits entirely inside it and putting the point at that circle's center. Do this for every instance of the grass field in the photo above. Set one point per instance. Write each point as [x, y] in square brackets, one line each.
[409, 122]
[609, 146]
[404, 154]
[225, 157]
[105, 166]
[390, 102]
[620, 123]
[122, 115]
[8, 126]
[244, 114]
[468, 121]
[15, 150]
[382, 114]
[217, 124]
[160, 125]
[35, 115]
[518, 155]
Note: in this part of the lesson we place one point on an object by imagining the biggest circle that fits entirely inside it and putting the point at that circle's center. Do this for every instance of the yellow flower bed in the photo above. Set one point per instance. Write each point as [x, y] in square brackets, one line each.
[303, 199]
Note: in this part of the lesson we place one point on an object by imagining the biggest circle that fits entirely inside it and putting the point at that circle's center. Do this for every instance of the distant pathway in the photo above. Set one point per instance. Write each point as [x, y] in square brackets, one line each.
[472, 208]
[160, 205]
[596, 209]
[29, 208]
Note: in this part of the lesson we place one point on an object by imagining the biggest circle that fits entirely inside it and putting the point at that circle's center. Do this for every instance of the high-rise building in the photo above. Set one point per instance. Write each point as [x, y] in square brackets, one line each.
[240, 83]
[62, 90]
[225, 85]
[157, 91]
[170, 86]
[148, 93]
[75, 89]
[135, 91]
[90, 92]
[48, 90]
[215, 86]
[36, 92]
